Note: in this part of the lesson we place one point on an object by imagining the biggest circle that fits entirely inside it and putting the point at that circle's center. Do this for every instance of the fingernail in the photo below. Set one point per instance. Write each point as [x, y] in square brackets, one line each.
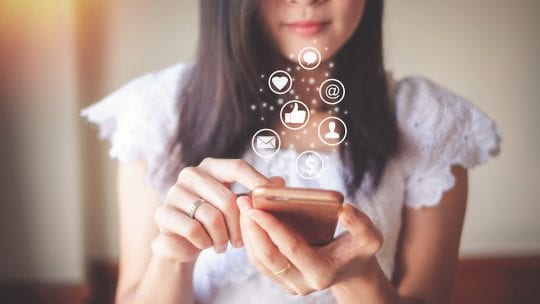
[222, 249]
[241, 205]
[238, 243]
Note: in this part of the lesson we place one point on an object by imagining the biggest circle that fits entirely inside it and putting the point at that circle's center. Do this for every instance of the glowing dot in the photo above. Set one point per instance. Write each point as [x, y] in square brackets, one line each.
[291, 146]
[316, 89]
[260, 90]
[303, 79]
[264, 104]
[331, 64]
[312, 111]
[336, 109]
[253, 107]
[288, 69]
[280, 101]
[271, 108]
[297, 136]
[307, 89]
[262, 118]
[312, 145]
[291, 56]
[346, 143]
[282, 132]
[326, 74]
[297, 68]
[314, 101]
[296, 97]
[305, 131]
[314, 124]
[292, 91]
[326, 48]
[262, 75]
[311, 81]
[346, 112]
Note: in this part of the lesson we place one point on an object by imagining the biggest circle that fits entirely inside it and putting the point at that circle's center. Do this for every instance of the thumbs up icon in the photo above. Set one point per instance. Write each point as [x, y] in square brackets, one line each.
[296, 116]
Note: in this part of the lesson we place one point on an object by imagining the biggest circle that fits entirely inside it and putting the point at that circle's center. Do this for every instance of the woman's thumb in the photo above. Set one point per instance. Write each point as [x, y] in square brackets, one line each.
[353, 220]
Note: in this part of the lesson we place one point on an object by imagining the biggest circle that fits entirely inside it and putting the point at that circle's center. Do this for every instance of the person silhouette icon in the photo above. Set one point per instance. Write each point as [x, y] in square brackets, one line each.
[332, 134]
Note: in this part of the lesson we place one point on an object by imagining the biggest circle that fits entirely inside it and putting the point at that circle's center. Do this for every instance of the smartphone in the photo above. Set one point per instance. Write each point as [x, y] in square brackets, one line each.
[311, 213]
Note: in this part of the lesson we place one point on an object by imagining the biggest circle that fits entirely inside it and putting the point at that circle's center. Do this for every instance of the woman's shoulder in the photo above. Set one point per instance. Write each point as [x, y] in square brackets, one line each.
[439, 128]
[140, 118]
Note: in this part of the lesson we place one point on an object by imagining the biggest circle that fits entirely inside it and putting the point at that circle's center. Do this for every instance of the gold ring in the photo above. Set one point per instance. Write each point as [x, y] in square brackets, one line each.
[283, 271]
[194, 207]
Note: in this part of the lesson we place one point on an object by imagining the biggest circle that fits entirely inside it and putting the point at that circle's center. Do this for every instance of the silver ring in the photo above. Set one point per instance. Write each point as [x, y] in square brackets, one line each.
[194, 207]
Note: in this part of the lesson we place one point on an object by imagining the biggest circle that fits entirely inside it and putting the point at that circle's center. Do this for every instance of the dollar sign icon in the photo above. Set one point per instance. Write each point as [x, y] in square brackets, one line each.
[310, 165]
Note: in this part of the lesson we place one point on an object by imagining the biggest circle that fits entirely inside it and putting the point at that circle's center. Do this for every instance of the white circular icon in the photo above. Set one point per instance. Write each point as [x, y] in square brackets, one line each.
[280, 82]
[265, 143]
[309, 58]
[294, 117]
[309, 164]
[328, 133]
[332, 91]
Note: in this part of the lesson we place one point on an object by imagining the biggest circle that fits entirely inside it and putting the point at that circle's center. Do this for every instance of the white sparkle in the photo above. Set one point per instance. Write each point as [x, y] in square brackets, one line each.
[297, 68]
[307, 89]
[311, 81]
[262, 118]
[271, 108]
[260, 90]
[346, 112]
[312, 145]
[264, 104]
[326, 74]
[331, 64]
[288, 69]
[336, 109]
[326, 48]
[253, 107]
[262, 75]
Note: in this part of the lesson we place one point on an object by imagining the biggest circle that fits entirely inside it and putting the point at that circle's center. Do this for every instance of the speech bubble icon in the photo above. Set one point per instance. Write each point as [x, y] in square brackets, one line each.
[310, 57]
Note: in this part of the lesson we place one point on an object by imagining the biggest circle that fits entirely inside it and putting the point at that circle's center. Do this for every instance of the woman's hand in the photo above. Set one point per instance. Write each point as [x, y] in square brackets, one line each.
[271, 246]
[216, 220]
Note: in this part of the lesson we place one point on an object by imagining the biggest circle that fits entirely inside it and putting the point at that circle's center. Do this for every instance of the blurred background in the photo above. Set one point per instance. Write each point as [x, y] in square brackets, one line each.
[58, 216]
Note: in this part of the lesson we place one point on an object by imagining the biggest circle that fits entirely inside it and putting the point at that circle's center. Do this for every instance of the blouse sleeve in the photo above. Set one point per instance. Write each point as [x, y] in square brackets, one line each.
[439, 129]
[139, 118]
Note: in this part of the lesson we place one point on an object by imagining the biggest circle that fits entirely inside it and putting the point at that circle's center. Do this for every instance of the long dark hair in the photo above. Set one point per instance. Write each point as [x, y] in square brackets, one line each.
[215, 100]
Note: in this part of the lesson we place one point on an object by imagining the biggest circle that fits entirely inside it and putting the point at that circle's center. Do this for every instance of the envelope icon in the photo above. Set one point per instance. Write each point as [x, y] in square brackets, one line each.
[266, 142]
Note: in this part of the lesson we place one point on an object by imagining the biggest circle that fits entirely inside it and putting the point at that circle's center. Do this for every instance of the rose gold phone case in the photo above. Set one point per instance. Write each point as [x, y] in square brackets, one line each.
[311, 213]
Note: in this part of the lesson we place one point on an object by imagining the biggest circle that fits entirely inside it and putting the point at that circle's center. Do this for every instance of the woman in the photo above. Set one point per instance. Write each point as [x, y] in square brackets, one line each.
[183, 136]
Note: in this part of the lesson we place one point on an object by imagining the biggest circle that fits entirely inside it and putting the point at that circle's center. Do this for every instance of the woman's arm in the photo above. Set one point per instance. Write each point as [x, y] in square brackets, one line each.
[427, 255]
[141, 273]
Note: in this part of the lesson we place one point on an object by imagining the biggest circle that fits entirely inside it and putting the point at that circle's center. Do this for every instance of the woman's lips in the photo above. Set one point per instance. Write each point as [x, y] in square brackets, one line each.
[307, 28]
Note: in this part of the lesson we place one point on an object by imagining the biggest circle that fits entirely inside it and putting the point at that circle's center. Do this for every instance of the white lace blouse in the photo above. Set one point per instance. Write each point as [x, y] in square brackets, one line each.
[438, 128]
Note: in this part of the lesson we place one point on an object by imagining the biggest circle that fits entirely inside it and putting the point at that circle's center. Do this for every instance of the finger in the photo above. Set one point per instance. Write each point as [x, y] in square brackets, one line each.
[234, 170]
[210, 217]
[278, 181]
[305, 258]
[247, 226]
[361, 228]
[170, 220]
[206, 186]
[266, 252]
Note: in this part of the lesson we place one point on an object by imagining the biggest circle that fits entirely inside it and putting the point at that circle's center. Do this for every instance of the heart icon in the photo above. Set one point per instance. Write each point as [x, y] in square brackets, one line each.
[280, 82]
